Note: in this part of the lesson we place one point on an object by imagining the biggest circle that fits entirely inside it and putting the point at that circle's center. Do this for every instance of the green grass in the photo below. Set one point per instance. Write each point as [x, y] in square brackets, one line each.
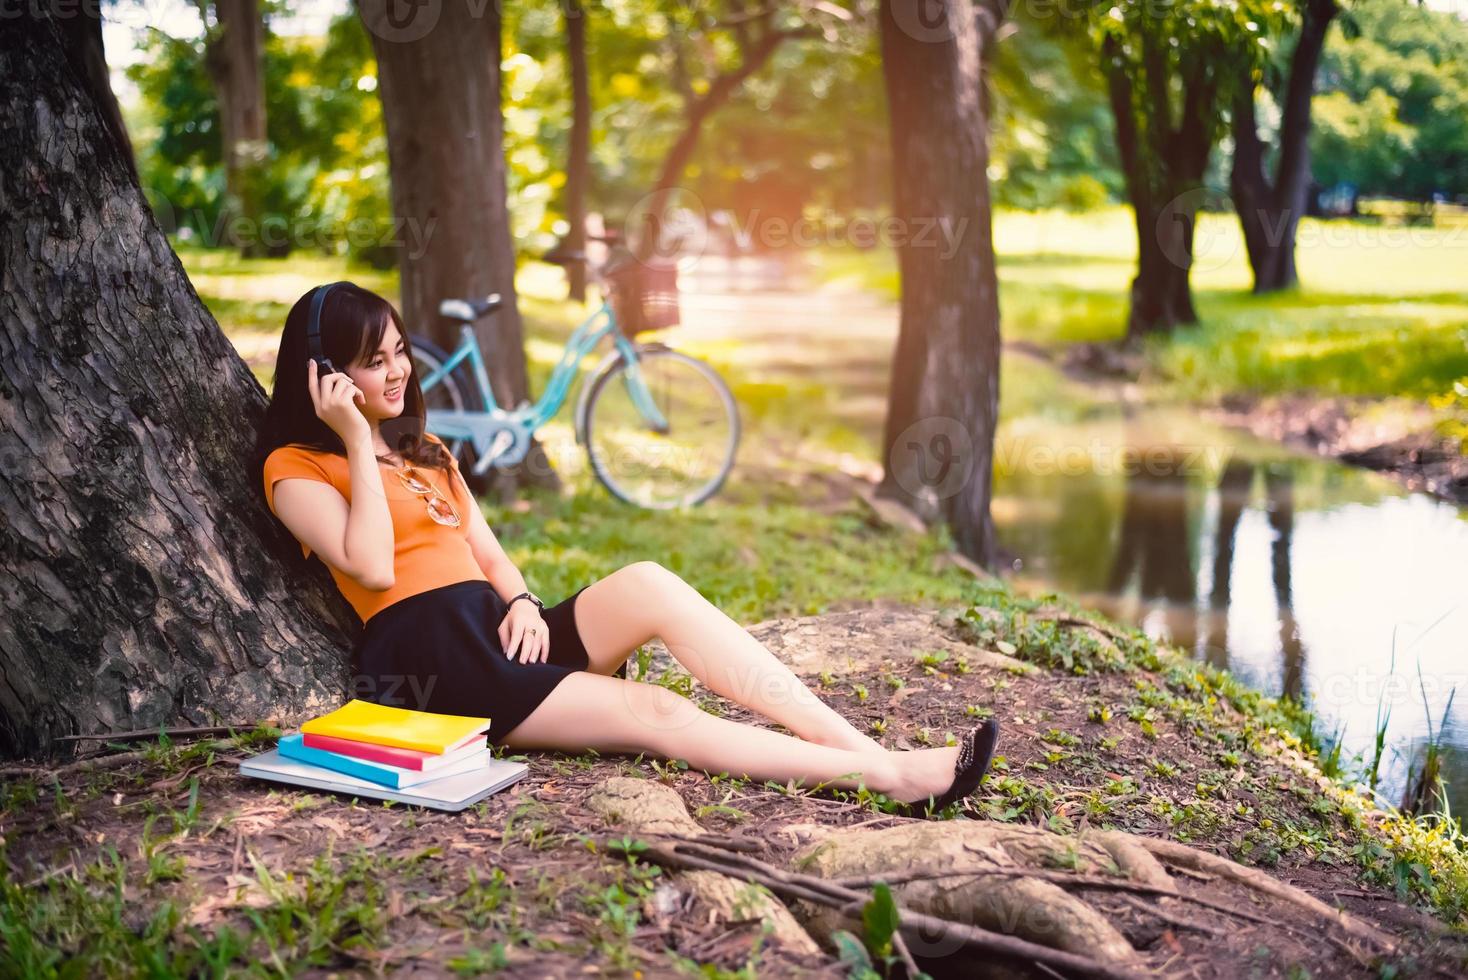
[755, 551]
[1381, 312]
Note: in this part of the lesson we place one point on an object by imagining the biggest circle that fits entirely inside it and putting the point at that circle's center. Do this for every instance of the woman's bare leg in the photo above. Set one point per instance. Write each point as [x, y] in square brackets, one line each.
[609, 714]
[643, 600]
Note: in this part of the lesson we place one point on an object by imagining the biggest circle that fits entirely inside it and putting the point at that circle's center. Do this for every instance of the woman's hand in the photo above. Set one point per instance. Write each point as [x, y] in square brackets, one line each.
[515, 628]
[335, 399]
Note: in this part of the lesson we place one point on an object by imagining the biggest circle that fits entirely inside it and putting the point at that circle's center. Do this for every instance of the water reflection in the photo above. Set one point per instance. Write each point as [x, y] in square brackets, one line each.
[1298, 575]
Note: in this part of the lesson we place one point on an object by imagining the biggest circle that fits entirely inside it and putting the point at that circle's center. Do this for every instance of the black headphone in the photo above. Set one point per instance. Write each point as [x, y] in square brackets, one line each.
[313, 329]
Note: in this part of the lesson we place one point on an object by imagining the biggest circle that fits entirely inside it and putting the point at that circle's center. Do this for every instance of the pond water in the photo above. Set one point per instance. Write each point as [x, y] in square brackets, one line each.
[1299, 575]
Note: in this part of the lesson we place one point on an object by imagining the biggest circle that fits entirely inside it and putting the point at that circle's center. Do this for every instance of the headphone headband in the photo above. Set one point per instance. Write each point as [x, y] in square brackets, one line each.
[313, 326]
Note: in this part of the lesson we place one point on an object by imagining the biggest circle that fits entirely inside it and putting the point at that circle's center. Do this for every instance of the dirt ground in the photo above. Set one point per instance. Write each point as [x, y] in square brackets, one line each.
[523, 883]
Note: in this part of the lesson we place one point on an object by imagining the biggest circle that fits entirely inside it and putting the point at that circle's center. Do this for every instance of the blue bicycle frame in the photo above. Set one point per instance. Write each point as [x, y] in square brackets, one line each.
[501, 436]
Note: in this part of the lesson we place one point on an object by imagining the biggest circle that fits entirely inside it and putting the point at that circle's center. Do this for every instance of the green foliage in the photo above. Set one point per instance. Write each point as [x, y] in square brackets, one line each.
[324, 185]
[1183, 62]
[1052, 138]
[1392, 114]
[1454, 405]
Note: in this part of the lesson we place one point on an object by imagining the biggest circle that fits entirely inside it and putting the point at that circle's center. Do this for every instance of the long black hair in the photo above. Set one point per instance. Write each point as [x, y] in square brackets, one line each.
[353, 323]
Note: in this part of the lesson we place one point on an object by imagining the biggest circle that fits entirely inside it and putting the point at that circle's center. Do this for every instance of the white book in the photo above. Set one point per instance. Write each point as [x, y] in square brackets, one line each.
[449, 793]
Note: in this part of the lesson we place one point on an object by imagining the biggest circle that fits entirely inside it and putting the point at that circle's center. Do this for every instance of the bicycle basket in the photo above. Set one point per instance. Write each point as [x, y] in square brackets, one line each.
[644, 295]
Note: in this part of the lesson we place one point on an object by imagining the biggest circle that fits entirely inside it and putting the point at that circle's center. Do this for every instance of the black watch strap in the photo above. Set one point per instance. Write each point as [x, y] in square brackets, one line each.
[526, 595]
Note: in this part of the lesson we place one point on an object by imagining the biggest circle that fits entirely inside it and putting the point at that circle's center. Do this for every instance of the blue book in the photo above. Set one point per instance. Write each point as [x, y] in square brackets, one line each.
[293, 746]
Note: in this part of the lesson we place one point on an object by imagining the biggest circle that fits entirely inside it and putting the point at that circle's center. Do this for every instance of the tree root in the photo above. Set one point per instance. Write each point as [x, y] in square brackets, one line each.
[993, 894]
[847, 904]
[641, 808]
[1190, 857]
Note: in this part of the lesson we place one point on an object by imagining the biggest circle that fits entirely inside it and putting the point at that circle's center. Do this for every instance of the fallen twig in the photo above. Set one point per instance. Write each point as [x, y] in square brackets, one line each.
[133, 736]
[1069, 619]
[1171, 918]
[92, 763]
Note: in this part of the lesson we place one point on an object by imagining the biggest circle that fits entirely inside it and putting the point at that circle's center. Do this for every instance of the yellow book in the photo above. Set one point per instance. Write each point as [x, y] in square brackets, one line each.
[382, 724]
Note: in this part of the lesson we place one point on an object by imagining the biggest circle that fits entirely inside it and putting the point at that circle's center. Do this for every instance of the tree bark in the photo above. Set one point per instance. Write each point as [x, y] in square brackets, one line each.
[82, 34]
[944, 395]
[439, 81]
[234, 53]
[578, 163]
[144, 581]
[1269, 209]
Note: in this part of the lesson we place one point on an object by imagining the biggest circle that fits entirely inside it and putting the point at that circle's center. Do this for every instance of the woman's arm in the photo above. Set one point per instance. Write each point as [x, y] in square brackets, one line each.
[493, 561]
[369, 534]
[356, 538]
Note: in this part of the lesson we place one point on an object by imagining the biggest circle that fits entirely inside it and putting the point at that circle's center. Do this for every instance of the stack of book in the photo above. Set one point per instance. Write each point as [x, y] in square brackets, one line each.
[390, 753]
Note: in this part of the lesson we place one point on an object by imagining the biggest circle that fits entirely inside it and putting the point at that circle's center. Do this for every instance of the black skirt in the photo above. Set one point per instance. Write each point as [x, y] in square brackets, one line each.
[440, 651]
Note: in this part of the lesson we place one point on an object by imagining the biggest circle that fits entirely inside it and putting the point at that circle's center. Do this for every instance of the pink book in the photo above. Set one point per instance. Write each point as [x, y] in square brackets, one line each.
[391, 755]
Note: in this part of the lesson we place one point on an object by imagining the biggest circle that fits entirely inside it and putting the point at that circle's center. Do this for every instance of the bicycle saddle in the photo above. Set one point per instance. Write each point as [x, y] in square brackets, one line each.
[470, 310]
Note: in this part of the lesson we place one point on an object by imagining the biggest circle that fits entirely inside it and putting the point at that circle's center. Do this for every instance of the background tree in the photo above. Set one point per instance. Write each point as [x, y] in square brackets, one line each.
[943, 401]
[578, 155]
[1270, 206]
[137, 591]
[234, 49]
[327, 164]
[1170, 73]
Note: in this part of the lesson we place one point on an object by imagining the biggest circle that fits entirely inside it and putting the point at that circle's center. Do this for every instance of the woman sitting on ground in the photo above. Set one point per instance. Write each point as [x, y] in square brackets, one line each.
[451, 626]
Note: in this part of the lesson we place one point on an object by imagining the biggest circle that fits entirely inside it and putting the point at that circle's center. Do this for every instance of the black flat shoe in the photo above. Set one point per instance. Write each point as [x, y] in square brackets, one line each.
[974, 756]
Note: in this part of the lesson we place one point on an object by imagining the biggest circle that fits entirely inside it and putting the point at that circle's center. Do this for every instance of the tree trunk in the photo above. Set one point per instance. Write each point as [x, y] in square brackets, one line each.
[1270, 210]
[944, 396]
[1164, 166]
[578, 163]
[233, 55]
[145, 583]
[439, 81]
[82, 34]
[1161, 296]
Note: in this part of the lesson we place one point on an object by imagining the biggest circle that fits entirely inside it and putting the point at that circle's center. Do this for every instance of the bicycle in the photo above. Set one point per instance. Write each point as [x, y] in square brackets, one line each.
[664, 437]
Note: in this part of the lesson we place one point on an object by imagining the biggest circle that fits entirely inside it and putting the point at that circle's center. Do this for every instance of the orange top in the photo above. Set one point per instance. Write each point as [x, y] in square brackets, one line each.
[426, 554]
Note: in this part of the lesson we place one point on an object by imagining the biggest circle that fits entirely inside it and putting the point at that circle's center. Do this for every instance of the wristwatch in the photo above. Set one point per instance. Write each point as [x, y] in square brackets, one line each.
[526, 595]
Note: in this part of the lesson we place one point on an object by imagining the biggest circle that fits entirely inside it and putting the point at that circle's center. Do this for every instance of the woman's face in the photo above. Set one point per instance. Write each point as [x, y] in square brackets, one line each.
[383, 376]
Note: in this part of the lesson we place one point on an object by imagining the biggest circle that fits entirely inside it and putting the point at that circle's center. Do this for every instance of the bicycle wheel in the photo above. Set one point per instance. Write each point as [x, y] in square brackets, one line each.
[455, 391]
[681, 467]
